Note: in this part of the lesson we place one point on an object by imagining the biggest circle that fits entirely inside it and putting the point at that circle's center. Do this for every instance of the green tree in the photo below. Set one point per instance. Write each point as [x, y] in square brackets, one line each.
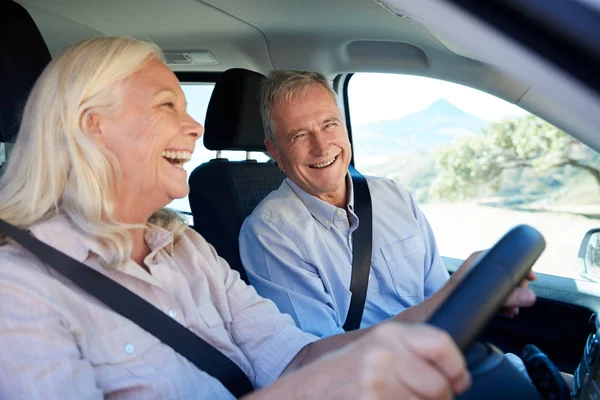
[471, 164]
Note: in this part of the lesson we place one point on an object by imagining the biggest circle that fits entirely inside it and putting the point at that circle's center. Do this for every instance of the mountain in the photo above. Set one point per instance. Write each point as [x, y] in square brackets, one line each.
[425, 130]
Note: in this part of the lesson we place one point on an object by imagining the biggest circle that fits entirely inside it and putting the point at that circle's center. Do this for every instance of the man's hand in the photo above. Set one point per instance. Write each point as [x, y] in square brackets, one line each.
[391, 361]
[521, 296]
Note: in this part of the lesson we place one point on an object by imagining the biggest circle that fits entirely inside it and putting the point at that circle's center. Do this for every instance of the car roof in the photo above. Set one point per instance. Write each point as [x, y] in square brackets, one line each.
[330, 36]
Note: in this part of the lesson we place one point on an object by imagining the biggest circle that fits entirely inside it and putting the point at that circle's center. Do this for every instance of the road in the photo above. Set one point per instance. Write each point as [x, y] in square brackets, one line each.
[462, 228]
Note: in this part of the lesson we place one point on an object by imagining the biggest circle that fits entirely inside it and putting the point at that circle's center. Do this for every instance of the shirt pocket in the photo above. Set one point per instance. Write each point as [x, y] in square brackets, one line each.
[405, 260]
[122, 351]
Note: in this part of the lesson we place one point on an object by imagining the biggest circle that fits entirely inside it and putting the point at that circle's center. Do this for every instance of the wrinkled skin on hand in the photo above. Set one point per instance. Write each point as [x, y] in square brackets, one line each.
[392, 361]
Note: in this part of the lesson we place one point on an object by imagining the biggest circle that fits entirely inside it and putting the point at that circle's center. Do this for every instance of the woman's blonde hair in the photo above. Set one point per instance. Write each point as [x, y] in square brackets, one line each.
[56, 167]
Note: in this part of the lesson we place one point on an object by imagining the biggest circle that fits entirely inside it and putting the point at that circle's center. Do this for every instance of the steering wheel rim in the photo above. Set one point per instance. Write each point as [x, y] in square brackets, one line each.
[474, 302]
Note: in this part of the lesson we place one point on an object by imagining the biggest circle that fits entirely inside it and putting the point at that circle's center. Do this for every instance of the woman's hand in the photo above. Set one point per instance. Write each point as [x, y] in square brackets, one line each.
[392, 361]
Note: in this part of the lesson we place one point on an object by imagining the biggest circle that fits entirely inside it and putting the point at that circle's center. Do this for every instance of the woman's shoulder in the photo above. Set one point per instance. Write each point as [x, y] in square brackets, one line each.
[190, 244]
[19, 268]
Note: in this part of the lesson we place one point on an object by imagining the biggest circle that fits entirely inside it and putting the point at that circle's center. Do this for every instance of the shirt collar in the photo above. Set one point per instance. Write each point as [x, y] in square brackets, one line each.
[321, 210]
[60, 233]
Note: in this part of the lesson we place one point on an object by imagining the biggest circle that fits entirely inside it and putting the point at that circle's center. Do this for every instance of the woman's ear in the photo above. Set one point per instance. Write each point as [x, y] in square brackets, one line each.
[91, 124]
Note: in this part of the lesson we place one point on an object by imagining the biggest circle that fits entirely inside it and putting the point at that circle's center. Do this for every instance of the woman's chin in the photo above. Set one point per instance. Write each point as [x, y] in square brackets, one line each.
[178, 192]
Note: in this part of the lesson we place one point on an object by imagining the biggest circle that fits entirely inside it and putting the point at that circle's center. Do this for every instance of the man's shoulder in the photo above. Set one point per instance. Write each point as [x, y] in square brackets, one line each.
[380, 186]
[278, 206]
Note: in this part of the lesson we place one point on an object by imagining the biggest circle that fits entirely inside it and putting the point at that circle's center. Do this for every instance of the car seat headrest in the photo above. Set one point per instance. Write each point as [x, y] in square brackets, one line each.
[233, 120]
[23, 55]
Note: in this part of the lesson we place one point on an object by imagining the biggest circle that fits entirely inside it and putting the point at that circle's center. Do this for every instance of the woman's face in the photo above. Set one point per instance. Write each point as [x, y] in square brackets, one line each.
[152, 136]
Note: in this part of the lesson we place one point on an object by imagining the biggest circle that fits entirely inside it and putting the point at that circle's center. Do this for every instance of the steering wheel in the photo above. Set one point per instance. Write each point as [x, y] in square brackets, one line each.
[473, 303]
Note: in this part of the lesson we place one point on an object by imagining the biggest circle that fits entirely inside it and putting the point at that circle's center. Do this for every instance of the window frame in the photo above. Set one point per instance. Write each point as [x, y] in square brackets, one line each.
[191, 78]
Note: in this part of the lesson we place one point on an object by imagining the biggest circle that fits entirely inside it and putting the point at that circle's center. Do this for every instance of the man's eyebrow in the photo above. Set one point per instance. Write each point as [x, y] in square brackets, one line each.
[330, 119]
[293, 132]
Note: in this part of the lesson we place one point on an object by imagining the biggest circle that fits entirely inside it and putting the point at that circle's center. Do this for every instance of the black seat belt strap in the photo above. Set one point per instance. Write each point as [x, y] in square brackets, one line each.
[133, 307]
[362, 246]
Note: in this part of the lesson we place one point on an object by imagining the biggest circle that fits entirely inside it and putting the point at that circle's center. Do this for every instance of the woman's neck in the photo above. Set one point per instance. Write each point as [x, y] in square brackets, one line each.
[135, 216]
[140, 249]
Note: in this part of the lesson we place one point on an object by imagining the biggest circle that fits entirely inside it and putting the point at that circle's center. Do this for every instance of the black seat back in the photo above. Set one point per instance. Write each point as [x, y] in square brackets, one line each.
[23, 56]
[222, 192]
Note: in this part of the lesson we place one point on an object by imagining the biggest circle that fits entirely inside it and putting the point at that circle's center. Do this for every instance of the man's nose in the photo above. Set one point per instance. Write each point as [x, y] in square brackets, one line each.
[320, 144]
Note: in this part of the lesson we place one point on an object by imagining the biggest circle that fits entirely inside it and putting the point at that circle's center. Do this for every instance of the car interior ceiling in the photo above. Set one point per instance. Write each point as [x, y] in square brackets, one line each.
[320, 36]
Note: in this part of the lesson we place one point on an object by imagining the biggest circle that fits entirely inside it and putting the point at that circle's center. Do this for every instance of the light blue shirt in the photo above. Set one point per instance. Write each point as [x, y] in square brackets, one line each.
[297, 250]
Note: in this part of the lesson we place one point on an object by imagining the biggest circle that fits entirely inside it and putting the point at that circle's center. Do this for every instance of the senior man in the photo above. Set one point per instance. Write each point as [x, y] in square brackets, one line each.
[297, 244]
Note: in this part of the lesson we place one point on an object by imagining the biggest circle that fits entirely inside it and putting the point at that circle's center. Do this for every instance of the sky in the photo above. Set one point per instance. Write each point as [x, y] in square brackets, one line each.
[376, 97]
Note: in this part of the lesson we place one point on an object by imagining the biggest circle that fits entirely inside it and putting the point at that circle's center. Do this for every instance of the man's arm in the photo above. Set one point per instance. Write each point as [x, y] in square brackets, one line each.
[280, 270]
[520, 296]
[415, 314]
[437, 286]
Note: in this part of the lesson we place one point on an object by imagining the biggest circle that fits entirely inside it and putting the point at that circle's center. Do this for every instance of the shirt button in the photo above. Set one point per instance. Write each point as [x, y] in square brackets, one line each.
[172, 313]
[327, 224]
[340, 212]
[129, 349]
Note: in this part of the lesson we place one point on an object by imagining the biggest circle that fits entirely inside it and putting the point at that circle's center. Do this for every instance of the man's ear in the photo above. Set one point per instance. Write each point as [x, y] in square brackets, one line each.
[274, 153]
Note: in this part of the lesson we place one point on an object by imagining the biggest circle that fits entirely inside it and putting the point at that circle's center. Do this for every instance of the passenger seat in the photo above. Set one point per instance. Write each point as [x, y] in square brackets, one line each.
[222, 192]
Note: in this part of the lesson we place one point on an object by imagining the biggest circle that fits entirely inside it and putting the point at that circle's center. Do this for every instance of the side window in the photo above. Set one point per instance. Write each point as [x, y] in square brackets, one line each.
[197, 96]
[476, 165]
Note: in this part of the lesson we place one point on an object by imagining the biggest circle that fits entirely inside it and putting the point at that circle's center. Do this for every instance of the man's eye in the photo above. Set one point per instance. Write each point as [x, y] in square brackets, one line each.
[169, 104]
[299, 136]
[330, 125]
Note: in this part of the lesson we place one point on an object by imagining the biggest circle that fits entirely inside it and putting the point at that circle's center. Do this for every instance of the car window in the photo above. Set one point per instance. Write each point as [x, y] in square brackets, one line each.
[198, 97]
[476, 165]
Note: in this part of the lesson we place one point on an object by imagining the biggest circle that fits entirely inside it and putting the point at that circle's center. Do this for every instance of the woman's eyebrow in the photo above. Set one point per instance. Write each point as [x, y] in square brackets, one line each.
[163, 90]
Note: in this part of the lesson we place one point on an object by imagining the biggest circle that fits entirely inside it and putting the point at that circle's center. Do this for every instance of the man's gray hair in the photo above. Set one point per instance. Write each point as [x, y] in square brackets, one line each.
[282, 86]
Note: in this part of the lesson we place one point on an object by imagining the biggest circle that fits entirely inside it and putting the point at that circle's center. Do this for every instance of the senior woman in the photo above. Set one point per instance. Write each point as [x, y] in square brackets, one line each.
[100, 151]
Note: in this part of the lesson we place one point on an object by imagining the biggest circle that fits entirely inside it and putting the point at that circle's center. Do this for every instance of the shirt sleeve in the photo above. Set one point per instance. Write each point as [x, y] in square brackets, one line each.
[279, 269]
[269, 339]
[39, 357]
[436, 273]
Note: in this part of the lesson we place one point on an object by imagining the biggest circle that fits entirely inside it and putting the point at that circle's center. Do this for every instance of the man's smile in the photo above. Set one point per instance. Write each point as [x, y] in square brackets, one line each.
[324, 164]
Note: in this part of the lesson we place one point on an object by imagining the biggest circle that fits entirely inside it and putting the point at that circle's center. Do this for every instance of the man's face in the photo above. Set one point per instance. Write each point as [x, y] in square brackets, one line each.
[312, 143]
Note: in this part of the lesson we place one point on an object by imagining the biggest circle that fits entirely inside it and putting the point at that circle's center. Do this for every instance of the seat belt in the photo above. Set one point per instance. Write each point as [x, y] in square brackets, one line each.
[136, 309]
[362, 247]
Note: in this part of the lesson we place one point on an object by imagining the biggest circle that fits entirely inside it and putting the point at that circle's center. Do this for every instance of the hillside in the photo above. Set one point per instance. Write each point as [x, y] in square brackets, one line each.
[436, 125]
[404, 150]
